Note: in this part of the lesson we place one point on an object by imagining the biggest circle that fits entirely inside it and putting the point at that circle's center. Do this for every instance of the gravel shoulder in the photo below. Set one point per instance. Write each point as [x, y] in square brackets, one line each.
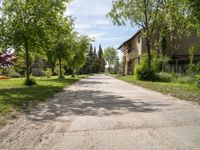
[103, 113]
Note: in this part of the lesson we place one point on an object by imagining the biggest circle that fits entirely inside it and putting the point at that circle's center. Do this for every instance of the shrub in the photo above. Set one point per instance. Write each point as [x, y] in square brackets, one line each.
[185, 79]
[31, 81]
[143, 72]
[164, 77]
[191, 66]
[197, 82]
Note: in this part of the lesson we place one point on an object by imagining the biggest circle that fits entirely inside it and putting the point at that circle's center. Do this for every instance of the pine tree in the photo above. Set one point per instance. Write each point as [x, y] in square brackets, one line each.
[101, 60]
[88, 67]
[95, 60]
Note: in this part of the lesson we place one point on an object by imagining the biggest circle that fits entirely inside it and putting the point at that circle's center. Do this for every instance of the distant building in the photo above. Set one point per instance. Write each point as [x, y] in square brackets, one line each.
[176, 49]
[38, 66]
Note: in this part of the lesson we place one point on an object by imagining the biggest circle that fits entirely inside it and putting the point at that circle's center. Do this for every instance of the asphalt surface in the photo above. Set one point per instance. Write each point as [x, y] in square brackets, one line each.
[103, 113]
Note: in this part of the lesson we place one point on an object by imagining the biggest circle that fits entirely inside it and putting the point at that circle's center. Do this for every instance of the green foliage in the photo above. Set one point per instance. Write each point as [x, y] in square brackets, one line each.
[94, 62]
[191, 65]
[29, 26]
[110, 56]
[15, 96]
[164, 77]
[80, 47]
[197, 78]
[183, 91]
[141, 13]
[30, 82]
[117, 66]
[184, 79]
[101, 61]
[143, 72]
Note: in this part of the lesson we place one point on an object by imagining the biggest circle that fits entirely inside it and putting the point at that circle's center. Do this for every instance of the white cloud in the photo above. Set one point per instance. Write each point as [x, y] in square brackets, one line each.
[81, 26]
[91, 20]
[102, 22]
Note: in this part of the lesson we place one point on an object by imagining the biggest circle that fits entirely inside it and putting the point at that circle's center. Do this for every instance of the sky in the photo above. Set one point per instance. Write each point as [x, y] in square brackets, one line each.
[91, 19]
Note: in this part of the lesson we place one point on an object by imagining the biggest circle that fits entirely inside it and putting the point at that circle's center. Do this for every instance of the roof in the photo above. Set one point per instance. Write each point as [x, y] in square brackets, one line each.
[138, 32]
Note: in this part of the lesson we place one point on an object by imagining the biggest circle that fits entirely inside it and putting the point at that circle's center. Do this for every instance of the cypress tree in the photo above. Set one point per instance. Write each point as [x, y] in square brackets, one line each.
[101, 60]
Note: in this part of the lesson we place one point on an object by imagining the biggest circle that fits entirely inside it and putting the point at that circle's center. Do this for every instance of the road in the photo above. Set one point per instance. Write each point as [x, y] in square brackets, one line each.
[103, 113]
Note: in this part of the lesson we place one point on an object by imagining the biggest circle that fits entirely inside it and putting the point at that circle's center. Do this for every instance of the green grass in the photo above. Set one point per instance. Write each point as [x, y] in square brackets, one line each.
[15, 96]
[183, 91]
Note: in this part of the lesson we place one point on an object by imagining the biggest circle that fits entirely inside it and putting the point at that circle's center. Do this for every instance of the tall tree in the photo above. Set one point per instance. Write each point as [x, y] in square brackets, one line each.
[110, 55]
[29, 24]
[80, 48]
[101, 61]
[62, 53]
[95, 59]
[141, 13]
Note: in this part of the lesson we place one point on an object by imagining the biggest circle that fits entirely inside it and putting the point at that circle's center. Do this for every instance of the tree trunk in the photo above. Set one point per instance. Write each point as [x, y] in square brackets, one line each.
[163, 45]
[53, 69]
[73, 75]
[78, 72]
[27, 64]
[60, 69]
[148, 45]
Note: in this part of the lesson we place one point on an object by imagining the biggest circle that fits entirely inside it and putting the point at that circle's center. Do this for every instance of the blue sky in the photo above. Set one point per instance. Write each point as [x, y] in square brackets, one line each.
[91, 20]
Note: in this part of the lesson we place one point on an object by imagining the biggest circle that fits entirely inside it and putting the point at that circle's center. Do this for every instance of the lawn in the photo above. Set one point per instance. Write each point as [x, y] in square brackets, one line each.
[183, 91]
[15, 96]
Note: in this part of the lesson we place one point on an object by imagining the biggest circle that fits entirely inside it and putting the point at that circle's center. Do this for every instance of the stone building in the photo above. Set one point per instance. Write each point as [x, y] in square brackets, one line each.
[176, 50]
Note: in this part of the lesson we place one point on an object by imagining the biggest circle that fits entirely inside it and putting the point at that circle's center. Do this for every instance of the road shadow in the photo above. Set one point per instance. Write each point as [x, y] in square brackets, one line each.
[90, 103]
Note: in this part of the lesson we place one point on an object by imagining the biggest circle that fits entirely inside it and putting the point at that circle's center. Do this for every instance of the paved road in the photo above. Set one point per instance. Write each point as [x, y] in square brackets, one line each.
[102, 113]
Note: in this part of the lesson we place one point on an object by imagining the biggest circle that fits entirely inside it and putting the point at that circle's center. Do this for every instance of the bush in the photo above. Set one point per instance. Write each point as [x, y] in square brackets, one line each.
[164, 77]
[197, 82]
[31, 81]
[186, 79]
[143, 72]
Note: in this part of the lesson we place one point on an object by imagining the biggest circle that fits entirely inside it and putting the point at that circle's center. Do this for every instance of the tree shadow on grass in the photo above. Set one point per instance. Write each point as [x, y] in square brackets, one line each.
[90, 103]
[26, 97]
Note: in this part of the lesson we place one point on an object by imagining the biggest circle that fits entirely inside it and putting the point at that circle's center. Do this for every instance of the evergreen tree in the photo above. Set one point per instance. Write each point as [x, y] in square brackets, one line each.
[101, 60]
[95, 61]
[88, 67]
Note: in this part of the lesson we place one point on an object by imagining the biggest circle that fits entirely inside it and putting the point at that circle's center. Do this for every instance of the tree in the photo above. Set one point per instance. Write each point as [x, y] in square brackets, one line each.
[101, 61]
[117, 66]
[95, 59]
[173, 22]
[62, 53]
[193, 12]
[29, 25]
[80, 48]
[6, 59]
[110, 55]
[194, 7]
[141, 13]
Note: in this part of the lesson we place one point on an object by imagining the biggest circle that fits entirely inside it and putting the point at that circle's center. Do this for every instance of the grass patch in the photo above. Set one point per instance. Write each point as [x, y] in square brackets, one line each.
[14, 95]
[183, 91]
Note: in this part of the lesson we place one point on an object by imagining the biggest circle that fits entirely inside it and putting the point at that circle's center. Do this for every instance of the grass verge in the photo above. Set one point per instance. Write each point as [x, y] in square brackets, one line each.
[183, 91]
[15, 96]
